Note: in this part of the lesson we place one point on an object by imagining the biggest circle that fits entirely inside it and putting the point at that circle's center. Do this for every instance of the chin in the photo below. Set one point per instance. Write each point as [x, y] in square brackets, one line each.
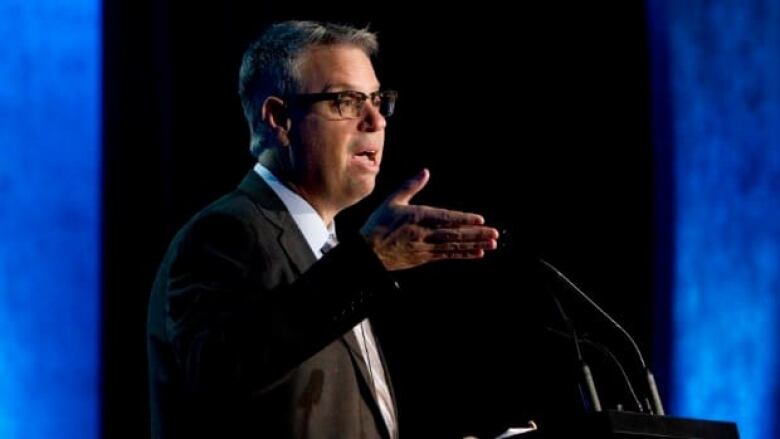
[361, 189]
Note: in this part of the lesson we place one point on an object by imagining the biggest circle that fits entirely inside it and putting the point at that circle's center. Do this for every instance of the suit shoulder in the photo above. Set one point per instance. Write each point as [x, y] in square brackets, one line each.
[235, 205]
[231, 218]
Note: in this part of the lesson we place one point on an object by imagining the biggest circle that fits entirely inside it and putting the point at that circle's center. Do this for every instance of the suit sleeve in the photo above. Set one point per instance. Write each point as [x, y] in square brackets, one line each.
[230, 330]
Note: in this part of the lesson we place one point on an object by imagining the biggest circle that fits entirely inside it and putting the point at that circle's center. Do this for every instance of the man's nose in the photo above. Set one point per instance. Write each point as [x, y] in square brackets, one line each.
[372, 119]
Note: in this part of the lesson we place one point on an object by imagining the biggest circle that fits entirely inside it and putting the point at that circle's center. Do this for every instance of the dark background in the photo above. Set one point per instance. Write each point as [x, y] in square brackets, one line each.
[535, 116]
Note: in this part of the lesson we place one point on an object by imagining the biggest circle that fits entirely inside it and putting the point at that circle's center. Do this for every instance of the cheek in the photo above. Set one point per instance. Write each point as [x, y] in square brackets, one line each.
[325, 147]
[314, 146]
[335, 148]
[328, 162]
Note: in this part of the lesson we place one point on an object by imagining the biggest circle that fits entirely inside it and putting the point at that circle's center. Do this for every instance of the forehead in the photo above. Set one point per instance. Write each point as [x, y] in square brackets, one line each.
[329, 68]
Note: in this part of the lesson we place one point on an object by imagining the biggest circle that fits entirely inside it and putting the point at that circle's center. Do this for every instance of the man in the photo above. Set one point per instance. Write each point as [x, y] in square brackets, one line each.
[258, 321]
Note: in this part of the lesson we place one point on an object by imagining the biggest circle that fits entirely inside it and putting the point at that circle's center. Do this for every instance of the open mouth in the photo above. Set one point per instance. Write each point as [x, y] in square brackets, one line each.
[369, 155]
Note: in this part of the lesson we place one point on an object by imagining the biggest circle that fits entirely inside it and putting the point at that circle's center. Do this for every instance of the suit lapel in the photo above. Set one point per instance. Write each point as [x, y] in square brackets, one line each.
[290, 237]
[387, 372]
[350, 340]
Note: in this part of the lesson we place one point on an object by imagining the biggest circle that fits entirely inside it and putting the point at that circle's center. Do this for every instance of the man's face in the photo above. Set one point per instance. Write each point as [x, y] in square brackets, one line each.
[336, 159]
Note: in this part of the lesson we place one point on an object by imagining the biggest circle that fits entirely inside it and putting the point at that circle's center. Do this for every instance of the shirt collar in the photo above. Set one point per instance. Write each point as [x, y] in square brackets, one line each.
[306, 218]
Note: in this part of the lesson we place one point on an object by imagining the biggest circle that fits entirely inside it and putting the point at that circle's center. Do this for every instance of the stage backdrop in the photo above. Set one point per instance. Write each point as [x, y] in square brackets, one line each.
[717, 112]
[50, 217]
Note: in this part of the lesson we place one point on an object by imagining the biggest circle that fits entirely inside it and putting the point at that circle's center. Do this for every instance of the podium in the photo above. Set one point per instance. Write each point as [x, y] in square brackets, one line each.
[628, 425]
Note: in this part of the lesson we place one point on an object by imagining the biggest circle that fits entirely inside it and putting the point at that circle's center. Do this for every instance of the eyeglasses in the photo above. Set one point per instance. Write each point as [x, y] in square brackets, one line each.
[351, 104]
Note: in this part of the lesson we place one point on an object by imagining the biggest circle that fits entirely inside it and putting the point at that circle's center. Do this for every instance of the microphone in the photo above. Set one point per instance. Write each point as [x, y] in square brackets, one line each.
[657, 407]
[590, 385]
[607, 353]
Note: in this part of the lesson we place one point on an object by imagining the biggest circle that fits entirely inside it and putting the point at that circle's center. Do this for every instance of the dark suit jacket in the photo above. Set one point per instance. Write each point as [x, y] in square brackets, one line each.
[249, 337]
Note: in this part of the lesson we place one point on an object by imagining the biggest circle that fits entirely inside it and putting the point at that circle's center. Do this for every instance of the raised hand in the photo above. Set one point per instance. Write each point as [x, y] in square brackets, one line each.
[405, 235]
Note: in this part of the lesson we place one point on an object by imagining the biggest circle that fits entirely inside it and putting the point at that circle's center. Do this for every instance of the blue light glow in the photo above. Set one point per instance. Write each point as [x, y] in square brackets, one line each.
[50, 95]
[724, 84]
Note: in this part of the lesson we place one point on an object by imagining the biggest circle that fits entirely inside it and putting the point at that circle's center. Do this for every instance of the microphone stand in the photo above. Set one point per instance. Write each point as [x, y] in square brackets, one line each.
[587, 376]
[657, 407]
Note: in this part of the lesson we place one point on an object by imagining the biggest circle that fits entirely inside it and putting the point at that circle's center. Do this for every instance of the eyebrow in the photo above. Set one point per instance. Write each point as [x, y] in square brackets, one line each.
[344, 86]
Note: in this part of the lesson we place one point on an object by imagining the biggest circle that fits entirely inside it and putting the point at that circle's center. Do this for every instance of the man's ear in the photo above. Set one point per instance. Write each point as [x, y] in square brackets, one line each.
[274, 114]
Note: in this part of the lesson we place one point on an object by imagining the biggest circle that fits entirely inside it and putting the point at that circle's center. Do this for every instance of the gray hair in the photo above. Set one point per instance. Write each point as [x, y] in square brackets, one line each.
[270, 65]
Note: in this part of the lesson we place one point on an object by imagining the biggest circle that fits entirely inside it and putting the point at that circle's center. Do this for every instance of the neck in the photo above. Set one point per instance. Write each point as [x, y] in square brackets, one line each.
[284, 171]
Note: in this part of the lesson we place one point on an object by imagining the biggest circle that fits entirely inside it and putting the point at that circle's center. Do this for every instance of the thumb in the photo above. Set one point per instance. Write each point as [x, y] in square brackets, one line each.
[410, 188]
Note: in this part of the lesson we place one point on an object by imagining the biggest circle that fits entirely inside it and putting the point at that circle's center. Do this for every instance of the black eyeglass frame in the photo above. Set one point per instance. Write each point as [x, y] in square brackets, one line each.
[386, 100]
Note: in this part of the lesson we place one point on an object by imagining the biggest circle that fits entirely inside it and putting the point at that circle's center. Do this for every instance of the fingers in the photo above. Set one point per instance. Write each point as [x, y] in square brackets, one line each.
[458, 247]
[412, 245]
[428, 216]
[474, 254]
[463, 233]
[462, 242]
[410, 188]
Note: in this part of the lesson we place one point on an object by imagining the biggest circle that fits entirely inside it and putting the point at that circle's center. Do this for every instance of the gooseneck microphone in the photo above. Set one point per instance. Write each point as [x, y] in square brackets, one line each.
[594, 403]
[605, 351]
[657, 407]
